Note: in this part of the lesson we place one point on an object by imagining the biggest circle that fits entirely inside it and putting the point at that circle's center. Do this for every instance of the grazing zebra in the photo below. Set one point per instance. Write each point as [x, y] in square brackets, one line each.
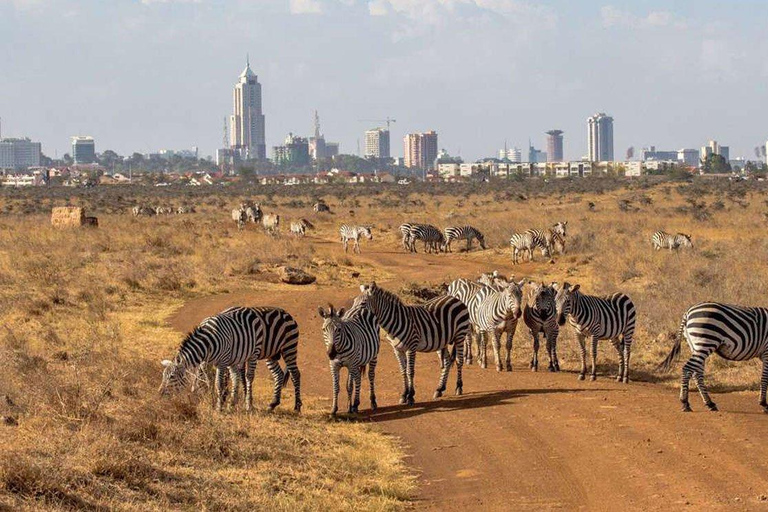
[253, 213]
[494, 310]
[235, 340]
[163, 210]
[662, 240]
[321, 207]
[184, 209]
[465, 290]
[271, 222]
[298, 229]
[599, 318]
[540, 315]
[467, 233]
[431, 236]
[351, 340]
[554, 241]
[306, 224]
[147, 211]
[238, 215]
[430, 327]
[736, 333]
[526, 242]
[348, 233]
[405, 230]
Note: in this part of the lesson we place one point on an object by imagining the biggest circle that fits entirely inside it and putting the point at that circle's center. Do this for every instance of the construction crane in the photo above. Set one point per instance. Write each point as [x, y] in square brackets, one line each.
[388, 120]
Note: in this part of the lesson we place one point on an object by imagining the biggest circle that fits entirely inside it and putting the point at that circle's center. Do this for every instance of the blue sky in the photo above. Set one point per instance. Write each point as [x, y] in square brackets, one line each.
[153, 74]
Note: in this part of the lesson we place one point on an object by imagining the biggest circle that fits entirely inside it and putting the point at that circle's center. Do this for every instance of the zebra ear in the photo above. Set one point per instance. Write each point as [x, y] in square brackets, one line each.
[521, 283]
[575, 288]
[340, 312]
[166, 362]
[321, 312]
[565, 223]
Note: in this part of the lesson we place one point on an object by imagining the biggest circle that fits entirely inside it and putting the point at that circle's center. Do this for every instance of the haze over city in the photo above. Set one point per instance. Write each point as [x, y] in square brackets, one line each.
[151, 74]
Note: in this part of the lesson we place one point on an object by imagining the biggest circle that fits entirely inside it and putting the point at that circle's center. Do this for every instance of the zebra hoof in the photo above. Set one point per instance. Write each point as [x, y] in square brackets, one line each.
[581, 376]
[593, 378]
[551, 368]
[437, 394]
[618, 378]
[625, 380]
[509, 367]
[410, 401]
[712, 407]
[273, 405]
[765, 409]
[403, 399]
[374, 405]
[483, 366]
[499, 368]
[686, 407]
[333, 412]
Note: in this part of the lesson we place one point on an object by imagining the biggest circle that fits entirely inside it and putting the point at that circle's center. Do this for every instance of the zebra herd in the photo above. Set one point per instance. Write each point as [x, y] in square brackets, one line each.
[150, 211]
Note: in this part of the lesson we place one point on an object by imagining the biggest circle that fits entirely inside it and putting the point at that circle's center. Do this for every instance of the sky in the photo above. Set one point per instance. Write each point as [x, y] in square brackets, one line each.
[145, 75]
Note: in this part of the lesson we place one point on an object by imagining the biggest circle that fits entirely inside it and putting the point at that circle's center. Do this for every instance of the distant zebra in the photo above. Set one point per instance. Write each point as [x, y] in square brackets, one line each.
[348, 233]
[253, 213]
[238, 215]
[298, 229]
[321, 207]
[163, 210]
[430, 327]
[494, 310]
[540, 315]
[271, 222]
[467, 233]
[431, 236]
[235, 340]
[184, 209]
[465, 290]
[351, 340]
[405, 230]
[598, 318]
[525, 243]
[146, 211]
[307, 225]
[662, 240]
[736, 333]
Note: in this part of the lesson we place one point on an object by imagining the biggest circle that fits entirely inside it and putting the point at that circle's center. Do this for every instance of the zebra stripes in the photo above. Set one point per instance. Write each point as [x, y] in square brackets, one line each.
[431, 236]
[467, 233]
[464, 290]
[354, 233]
[430, 327]
[598, 318]
[540, 316]
[235, 340]
[525, 243]
[663, 240]
[736, 333]
[352, 341]
[239, 216]
[298, 229]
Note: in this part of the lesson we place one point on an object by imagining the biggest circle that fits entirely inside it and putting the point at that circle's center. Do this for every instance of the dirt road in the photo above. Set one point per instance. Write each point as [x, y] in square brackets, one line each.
[538, 441]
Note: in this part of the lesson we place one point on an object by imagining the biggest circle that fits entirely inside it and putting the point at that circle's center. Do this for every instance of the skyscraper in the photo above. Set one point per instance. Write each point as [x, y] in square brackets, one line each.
[421, 150]
[247, 122]
[83, 150]
[555, 146]
[600, 138]
[19, 153]
[377, 143]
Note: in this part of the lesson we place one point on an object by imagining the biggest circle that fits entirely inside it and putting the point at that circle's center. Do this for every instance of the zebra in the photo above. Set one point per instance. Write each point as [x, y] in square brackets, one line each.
[405, 230]
[184, 209]
[271, 222]
[348, 233]
[540, 316]
[430, 327]
[465, 290]
[736, 333]
[554, 241]
[467, 233]
[352, 340]
[663, 240]
[431, 236]
[238, 215]
[599, 318]
[320, 206]
[235, 340]
[526, 242]
[306, 224]
[163, 210]
[252, 212]
[147, 211]
[493, 310]
[298, 229]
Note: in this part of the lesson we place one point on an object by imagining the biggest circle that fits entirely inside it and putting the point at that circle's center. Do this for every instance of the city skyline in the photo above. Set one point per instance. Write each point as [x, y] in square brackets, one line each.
[689, 89]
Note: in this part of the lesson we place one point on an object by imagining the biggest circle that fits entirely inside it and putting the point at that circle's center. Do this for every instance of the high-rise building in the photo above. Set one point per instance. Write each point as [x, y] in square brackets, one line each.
[513, 155]
[19, 153]
[689, 157]
[377, 143]
[319, 149]
[600, 138]
[83, 150]
[536, 156]
[421, 150]
[247, 132]
[555, 146]
[652, 154]
[295, 151]
[713, 148]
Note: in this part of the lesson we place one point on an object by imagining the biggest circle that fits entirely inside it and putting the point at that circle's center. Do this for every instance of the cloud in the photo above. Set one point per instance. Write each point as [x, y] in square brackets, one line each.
[612, 16]
[150, 2]
[438, 11]
[306, 7]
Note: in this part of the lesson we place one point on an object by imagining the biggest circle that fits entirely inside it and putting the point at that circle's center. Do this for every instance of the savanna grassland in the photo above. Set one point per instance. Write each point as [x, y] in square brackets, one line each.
[85, 325]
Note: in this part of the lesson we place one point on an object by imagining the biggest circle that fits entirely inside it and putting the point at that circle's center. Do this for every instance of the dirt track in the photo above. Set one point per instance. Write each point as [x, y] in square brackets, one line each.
[538, 441]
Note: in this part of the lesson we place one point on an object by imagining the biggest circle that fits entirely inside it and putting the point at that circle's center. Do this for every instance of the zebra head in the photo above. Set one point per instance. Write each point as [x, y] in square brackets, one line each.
[543, 299]
[366, 232]
[684, 240]
[331, 330]
[481, 240]
[175, 376]
[564, 301]
[560, 228]
[513, 294]
[378, 299]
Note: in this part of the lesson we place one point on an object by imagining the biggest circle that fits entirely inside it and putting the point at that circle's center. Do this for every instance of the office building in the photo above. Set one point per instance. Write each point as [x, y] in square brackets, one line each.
[536, 156]
[83, 150]
[420, 150]
[377, 143]
[651, 153]
[247, 123]
[713, 148]
[294, 151]
[689, 157]
[19, 153]
[600, 138]
[555, 146]
[512, 155]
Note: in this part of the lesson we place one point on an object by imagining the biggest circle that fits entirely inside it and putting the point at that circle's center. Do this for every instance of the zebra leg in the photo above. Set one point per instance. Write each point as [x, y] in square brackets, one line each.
[401, 360]
[293, 368]
[278, 380]
[535, 358]
[582, 345]
[372, 381]
[593, 375]
[704, 392]
[345, 242]
[627, 343]
[764, 383]
[619, 346]
[350, 387]
[358, 383]
[508, 361]
[552, 344]
[459, 347]
[335, 376]
[482, 354]
[237, 376]
[250, 373]
[468, 345]
[684, 382]
[357, 246]
[221, 387]
[497, 349]
[445, 368]
[411, 366]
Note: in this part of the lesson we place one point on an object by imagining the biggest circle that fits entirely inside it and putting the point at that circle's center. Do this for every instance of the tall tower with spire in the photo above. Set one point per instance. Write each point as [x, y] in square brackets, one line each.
[247, 133]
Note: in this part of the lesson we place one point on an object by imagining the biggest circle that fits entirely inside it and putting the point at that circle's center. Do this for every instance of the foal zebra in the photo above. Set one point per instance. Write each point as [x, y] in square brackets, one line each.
[467, 233]
[431, 236]
[662, 240]
[540, 316]
[599, 318]
[351, 340]
[736, 333]
[430, 327]
[235, 340]
[354, 233]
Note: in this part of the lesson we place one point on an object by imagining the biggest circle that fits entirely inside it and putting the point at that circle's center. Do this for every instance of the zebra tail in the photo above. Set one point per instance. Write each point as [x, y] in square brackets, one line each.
[674, 354]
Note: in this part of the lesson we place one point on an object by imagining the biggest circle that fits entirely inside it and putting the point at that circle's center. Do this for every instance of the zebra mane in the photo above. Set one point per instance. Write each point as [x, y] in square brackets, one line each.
[390, 296]
[189, 339]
